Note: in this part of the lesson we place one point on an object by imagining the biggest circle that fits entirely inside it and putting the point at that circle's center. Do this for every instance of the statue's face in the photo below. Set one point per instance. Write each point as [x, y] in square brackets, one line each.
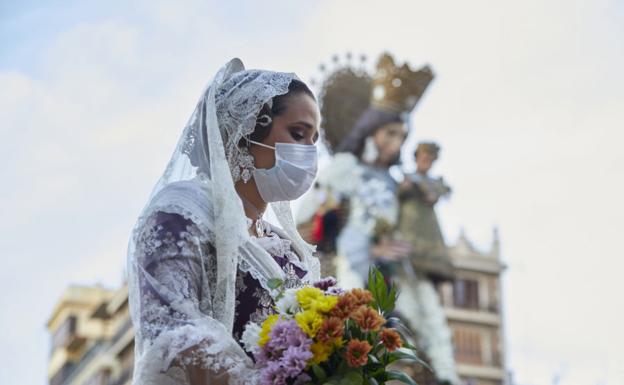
[388, 140]
[424, 161]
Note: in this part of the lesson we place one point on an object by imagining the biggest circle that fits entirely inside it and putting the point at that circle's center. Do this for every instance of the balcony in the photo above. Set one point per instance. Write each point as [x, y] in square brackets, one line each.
[491, 373]
[95, 350]
[66, 335]
[472, 316]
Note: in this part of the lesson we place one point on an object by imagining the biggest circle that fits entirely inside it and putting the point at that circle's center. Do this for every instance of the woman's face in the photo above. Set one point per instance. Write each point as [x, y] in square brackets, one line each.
[388, 140]
[299, 123]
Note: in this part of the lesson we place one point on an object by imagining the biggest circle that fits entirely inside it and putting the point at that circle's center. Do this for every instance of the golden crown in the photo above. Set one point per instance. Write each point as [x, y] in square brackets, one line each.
[349, 88]
[398, 89]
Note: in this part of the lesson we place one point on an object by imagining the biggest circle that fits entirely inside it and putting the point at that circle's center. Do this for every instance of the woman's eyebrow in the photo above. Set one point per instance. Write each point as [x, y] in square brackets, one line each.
[304, 123]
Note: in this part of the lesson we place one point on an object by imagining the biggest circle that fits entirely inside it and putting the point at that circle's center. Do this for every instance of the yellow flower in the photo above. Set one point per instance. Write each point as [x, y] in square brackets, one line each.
[325, 304]
[309, 321]
[308, 296]
[337, 343]
[321, 352]
[266, 328]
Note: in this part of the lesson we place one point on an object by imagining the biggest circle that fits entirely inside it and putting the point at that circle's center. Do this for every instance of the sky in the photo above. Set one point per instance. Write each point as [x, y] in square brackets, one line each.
[527, 104]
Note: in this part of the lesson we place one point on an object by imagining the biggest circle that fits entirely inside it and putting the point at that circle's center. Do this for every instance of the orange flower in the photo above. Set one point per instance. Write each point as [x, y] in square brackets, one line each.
[391, 339]
[357, 353]
[344, 307]
[332, 329]
[361, 296]
[368, 319]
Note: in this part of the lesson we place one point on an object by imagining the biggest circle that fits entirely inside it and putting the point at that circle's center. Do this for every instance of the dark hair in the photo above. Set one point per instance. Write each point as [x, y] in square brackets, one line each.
[369, 122]
[261, 131]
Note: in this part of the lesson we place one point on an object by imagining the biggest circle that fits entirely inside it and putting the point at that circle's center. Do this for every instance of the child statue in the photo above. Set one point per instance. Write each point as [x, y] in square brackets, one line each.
[418, 223]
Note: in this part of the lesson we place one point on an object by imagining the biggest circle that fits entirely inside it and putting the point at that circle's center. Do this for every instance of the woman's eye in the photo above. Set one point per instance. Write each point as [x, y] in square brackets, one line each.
[296, 136]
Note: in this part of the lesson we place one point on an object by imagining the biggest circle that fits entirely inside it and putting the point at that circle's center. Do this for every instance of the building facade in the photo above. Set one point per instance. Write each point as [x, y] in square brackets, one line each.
[92, 341]
[473, 306]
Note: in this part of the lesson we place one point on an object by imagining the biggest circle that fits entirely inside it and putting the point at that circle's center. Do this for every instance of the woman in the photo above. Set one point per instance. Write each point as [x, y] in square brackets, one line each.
[201, 255]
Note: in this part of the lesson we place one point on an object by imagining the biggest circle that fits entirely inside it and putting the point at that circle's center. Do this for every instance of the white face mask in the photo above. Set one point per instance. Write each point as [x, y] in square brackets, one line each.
[293, 173]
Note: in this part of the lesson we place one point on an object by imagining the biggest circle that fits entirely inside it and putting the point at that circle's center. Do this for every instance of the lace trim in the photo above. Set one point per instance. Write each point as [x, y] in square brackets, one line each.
[281, 247]
[173, 208]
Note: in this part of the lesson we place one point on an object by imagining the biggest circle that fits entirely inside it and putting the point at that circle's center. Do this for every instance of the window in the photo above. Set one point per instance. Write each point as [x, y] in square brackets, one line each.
[467, 344]
[64, 332]
[466, 294]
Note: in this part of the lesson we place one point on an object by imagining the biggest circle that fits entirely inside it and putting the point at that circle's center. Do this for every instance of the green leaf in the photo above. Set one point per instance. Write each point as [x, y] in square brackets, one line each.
[372, 381]
[392, 298]
[402, 354]
[407, 345]
[319, 373]
[379, 373]
[407, 354]
[352, 378]
[342, 367]
[400, 376]
[385, 297]
[275, 283]
[377, 287]
[395, 320]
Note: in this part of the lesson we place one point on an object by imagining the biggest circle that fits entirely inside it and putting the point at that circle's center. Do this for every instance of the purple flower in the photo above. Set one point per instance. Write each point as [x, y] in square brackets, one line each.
[285, 355]
[335, 291]
[302, 379]
[273, 374]
[325, 283]
[295, 360]
[263, 355]
[285, 334]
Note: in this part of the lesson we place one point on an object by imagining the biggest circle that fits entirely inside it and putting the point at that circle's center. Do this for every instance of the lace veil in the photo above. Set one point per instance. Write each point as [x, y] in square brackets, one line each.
[198, 185]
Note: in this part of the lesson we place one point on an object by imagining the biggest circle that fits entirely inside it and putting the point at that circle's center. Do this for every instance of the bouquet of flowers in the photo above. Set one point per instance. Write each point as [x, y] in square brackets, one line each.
[321, 334]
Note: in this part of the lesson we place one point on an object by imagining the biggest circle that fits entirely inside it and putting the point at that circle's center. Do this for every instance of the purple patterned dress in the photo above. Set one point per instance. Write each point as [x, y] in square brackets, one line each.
[173, 239]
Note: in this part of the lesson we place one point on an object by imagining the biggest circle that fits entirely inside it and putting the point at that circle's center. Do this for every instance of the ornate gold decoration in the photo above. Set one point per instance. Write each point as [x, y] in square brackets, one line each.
[349, 89]
[396, 88]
